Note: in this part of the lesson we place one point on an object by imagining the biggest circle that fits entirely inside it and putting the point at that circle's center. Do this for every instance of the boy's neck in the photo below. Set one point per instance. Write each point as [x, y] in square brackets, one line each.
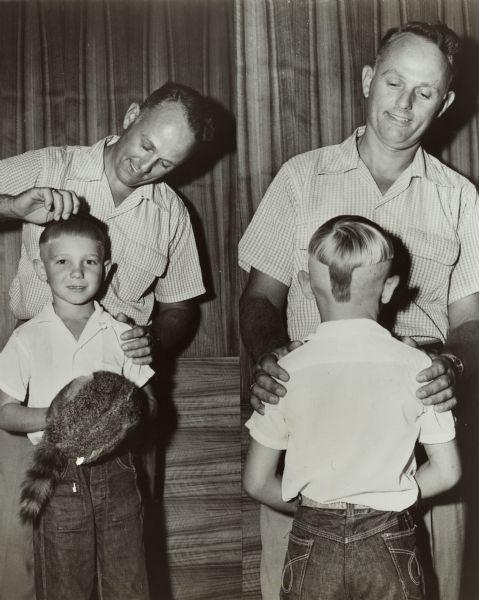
[342, 312]
[74, 316]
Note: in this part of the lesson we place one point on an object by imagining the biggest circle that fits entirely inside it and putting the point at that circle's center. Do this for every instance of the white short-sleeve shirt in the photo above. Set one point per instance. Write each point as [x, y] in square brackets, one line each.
[42, 356]
[350, 419]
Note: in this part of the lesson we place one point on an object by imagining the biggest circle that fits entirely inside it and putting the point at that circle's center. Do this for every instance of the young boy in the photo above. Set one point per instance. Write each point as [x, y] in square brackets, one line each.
[350, 439]
[91, 529]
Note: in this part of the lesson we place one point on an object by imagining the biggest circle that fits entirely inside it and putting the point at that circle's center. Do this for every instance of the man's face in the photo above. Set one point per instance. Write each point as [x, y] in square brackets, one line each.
[406, 90]
[153, 144]
[73, 267]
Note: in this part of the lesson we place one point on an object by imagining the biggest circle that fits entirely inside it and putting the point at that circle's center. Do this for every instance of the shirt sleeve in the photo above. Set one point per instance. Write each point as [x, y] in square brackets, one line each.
[269, 429]
[267, 244]
[465, 275]
[138, 374]
[14, 368]
[20, 173]
[436, 427]
[183, 279]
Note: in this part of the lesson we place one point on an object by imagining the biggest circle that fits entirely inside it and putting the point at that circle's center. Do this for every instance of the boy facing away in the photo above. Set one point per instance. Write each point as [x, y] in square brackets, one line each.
[93, 523]
[350, 473]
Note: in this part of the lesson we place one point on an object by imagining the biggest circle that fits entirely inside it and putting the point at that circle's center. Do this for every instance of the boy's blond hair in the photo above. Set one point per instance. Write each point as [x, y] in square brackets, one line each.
[345, 243]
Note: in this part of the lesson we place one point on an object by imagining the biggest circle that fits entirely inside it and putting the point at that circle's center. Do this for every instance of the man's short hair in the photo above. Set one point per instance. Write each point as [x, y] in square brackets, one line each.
[196, 107]
[345, 243]
[77, 226]
[439, 33]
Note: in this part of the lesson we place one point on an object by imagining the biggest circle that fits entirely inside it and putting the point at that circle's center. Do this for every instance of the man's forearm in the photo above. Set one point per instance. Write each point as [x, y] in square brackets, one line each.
[172, 327]
[262, 326]
[6, 208]
[463, 342]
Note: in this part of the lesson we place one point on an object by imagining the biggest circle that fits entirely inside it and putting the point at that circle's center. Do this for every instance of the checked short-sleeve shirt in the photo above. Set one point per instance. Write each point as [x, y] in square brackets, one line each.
[153, 248]
[433, 210]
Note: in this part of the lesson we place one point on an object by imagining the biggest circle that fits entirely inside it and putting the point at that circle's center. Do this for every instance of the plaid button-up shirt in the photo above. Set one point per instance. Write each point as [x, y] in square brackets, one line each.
[433, 210]
[153, 249]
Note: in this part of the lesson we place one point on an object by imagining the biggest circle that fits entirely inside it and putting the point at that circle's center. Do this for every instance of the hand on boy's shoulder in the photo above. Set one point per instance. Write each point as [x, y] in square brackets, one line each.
[439, 379]
[439, 389]
[138, 342]
[267, 375]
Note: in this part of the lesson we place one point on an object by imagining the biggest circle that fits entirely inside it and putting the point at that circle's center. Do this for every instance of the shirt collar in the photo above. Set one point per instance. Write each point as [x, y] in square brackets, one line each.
[87, 162]
[349, 327]
[88, 165]
[347, 159]
[48, 315]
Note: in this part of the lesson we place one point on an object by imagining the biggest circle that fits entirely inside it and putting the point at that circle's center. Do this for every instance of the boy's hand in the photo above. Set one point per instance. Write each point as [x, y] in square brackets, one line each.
[41, 205]
[439, 389]
[139, 343]
[265, 388]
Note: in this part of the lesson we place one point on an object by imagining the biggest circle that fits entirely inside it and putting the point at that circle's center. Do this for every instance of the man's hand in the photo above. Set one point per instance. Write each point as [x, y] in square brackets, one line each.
[139, 343]
[41, 205]
[439, 389]
[265, 388]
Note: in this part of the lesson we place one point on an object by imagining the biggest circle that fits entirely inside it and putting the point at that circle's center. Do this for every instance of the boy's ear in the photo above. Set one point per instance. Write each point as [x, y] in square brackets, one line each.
[390, 285]
[305, 283]
[106, 267]
[40, 269]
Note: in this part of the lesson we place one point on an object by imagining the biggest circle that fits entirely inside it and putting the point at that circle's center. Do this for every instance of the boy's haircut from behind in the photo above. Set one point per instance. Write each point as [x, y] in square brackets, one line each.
[346, 242]
[80, 226]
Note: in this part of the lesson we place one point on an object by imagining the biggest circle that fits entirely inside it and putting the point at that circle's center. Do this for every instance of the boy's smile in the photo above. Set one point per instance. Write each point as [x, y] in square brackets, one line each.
[73, 267]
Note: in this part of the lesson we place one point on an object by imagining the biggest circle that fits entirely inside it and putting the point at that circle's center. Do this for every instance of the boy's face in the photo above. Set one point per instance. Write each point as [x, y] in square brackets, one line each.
[73, 267]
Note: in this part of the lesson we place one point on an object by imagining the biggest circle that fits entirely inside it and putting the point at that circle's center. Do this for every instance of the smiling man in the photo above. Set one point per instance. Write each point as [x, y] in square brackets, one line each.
[155, 268]
[381, 173]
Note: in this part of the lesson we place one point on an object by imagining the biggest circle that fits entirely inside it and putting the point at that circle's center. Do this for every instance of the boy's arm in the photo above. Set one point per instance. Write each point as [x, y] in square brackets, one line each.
[441, 471]
[16, 418]
[260, 480]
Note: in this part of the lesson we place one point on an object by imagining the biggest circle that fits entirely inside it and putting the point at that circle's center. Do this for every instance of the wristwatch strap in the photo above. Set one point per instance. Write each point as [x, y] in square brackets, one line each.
[456, 363]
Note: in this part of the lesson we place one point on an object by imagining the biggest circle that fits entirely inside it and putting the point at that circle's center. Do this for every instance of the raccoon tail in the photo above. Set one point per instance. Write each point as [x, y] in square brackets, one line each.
[41, 478]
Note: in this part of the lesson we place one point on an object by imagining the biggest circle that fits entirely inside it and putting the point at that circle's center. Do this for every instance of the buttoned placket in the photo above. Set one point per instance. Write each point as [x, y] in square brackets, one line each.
[86, 337]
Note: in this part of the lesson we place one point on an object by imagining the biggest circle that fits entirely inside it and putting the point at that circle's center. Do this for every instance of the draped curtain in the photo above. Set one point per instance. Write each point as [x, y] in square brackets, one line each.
[69, 71]
[298, 68]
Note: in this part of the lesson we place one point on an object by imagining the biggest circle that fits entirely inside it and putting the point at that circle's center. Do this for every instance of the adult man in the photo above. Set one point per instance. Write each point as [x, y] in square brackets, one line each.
[381, 173]
[156, 268]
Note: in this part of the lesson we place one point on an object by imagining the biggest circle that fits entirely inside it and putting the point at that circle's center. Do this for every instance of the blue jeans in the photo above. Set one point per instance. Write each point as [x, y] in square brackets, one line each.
[91, 533]
[352, 554]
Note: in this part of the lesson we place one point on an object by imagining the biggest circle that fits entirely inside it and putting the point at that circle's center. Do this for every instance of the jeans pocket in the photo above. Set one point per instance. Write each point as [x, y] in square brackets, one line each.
[124, 496]
[294, 569]
[403, 550]
[125, 462]
[66, 510]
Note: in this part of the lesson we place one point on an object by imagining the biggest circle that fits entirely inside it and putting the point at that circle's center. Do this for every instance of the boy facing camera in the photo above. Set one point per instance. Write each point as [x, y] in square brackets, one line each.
[91, 530]
[350, 474]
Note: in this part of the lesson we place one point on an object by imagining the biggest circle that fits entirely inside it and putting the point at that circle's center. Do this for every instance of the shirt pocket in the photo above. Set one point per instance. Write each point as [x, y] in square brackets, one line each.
[137, 270]
[436, 247]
